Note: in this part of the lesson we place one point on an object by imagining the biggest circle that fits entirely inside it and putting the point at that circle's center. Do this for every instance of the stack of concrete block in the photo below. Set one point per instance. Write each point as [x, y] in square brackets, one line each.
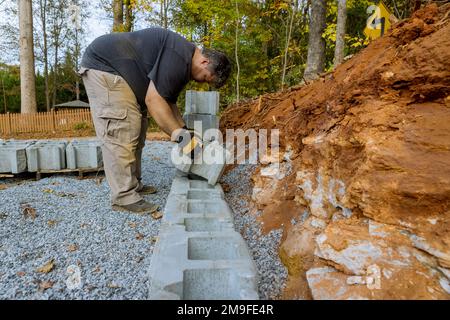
[198, 254]
[202, 107]
[84, 154]
[13, 157]
[46, 155]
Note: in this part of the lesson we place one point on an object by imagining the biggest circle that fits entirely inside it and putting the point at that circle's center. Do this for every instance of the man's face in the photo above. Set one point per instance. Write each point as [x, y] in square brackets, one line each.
[203, 74]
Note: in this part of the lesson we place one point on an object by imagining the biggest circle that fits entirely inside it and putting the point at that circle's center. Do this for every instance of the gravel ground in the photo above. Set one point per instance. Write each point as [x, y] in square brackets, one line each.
[74, 225]
[263, 248]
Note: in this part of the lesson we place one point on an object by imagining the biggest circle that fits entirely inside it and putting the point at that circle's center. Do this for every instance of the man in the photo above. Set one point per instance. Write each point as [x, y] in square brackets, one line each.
[128, 74]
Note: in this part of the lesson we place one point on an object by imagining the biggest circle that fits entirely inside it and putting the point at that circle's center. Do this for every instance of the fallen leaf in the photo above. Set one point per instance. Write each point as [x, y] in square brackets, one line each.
[48, 190]
[3, 186]
[153, 239]
[52, 223]
[226, 187]
[20, 273]
[46, 268]
[28, 211]
[157, 215]
[66, 194]
[72, 248]
[156, 158]
[132, 224]
[139, 236]
[113, 285]
[44, 285]
[96, 269]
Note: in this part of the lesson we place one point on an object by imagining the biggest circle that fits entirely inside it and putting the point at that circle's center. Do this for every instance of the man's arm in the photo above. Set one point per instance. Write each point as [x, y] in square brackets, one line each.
[161, 111]
[177, 114]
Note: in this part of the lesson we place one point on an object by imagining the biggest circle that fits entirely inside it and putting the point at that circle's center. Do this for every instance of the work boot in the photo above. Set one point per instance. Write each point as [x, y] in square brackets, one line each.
[141, 206]
[148, 190]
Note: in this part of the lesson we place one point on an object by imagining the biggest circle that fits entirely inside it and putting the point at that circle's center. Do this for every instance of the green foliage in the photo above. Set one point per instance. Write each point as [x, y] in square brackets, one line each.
[9, 88]
[262, 36]
[81, 126]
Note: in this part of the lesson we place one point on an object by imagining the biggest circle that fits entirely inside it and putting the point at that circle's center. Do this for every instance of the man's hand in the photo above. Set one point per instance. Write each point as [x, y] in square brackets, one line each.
[189, 142]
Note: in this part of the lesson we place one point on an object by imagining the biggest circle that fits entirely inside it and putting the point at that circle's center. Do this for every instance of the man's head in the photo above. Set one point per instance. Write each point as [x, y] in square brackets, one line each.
[210, 66]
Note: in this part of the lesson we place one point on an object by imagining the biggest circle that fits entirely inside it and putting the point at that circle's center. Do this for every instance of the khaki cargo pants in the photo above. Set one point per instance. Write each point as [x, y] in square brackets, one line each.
[121, 127]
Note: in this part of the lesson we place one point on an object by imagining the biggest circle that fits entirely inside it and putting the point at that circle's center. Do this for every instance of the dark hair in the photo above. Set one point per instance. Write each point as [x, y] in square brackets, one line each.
[219, 65]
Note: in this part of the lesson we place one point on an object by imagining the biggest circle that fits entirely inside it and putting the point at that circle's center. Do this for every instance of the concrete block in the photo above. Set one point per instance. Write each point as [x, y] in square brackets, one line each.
[214, 158]
[12, 159]
[46, 155]
[84, 154]
[183, 184]
[210, 165]
[202, 102]
[179, 208]
[201, 122]
[13, 156]
[201, 265]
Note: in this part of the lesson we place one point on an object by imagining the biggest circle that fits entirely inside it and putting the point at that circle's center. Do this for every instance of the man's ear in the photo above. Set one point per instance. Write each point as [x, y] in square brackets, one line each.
[205, 62]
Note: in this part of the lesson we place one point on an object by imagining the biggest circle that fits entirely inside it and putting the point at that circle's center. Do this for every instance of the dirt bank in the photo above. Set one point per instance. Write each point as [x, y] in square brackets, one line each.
[366, 169]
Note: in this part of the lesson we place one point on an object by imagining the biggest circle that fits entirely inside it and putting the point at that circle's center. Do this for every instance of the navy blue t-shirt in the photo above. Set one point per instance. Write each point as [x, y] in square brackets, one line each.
[153, 54]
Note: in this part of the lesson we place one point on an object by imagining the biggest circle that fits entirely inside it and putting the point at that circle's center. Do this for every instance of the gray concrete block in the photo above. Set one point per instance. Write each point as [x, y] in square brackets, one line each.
[215, 156]
[13, 156]
[201, 265]
[202, 102]
[201, 122]
[211, 164]
[84, 154]
[46, 155]
[12, 159]
[183, 184]
[179, 208]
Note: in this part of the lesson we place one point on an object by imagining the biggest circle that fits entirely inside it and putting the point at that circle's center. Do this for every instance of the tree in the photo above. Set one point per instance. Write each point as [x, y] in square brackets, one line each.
[236, 54]
[129, 15]
[340, 32]
[292, 14]
[315, 63]
[27, 75]
[118, 15]
[43, 8]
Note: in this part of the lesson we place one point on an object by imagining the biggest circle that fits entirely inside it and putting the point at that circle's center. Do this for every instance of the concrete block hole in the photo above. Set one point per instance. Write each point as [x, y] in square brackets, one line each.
[204, 224]
[217, 248]
[202, 208]
[202, 195]
[213, 284]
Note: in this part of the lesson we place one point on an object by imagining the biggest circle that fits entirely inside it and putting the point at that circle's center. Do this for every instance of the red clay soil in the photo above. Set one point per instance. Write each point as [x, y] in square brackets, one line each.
[371, 139]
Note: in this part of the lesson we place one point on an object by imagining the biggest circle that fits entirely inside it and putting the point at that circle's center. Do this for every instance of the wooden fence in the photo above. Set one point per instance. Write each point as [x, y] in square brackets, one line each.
[45, 121]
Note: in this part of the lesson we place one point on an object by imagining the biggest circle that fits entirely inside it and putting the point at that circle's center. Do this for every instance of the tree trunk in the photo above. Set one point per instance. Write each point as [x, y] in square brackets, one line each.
[118, 15]
[129, 16]
[288, 40]
[236, 51]
[55, 73]
[340, 33]
[315, 63]
[43, 9]
[27, 75]
[166, 7]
